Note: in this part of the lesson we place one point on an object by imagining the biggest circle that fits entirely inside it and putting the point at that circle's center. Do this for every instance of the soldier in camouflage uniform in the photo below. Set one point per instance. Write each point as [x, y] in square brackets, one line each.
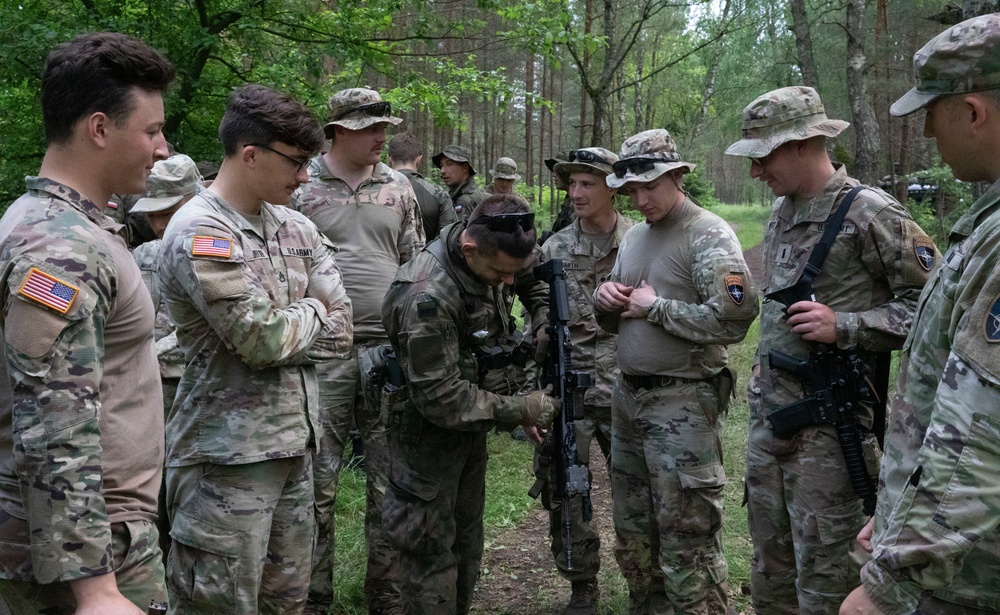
[565, 216]
[936, 541]
[588, 249]
[436, 208]
[370, 213]
[802, 507]
[441, 310]
[459, 175]
[504, 174]
[81, 423]
[679, 292]
[258, 301]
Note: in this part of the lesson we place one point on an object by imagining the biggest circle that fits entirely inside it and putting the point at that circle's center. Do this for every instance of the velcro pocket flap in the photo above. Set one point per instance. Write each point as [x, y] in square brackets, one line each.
[712, 475]
[204, 536]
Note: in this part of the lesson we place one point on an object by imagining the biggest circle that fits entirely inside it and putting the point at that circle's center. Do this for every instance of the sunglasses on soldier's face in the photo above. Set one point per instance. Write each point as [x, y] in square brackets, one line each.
[507, 223]
[377, 109]
[585, 156]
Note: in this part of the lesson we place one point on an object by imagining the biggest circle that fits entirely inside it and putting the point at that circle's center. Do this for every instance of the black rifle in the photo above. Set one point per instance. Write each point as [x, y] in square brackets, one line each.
[839, 384]
[572, 477]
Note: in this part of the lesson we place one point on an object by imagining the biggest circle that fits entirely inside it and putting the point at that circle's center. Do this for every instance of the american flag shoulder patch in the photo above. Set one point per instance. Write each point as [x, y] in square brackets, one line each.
[48, 290]
[211, 246]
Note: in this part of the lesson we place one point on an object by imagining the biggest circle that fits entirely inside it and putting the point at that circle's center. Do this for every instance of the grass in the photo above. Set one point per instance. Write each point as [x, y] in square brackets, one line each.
[509, 477]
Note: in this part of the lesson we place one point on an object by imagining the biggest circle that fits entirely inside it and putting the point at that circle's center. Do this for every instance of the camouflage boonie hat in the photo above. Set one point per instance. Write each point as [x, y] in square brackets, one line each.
[655, 146]
[787, 114]
[170, 181]
[504, 168]
[593, 160]
[963, 58]
[551, 163]
[357, 108]
[456, 153]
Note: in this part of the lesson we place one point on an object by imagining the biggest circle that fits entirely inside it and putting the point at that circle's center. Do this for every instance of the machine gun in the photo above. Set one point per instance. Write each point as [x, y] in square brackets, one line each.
[572, 477]
[839, 383]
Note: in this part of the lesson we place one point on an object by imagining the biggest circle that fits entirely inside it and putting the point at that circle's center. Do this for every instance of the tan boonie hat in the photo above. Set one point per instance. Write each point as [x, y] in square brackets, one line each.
[963, 58]
[787, 114]
[593, 160]
[646, 156]
[456, 153]
[170, 181]
[550, 163]
[357, 108]
[504, 168]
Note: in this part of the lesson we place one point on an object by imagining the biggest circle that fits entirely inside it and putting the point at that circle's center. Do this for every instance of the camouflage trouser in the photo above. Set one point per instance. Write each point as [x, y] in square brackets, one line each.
[162, 518]
[138, 571]
[804, 517]
[433, 513]
[341, 399]
[667, 486]
[242, 537]
[596, 424]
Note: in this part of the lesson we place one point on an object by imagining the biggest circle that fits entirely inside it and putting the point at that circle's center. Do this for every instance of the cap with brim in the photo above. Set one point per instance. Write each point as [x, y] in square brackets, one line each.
[149, 206]
[963, 58]
[594, 167]
[170, 181]
[779, 116]
[456, 153]
[550, 163]
[348, 109]
[656, 146]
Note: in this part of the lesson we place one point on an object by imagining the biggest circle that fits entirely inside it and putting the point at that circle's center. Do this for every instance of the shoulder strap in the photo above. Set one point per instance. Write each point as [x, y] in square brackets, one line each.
[818, 255]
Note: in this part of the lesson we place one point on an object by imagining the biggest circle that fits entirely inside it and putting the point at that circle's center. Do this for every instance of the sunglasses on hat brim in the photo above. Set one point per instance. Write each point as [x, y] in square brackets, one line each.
[376, 109]
[507, 223]
[579, 155]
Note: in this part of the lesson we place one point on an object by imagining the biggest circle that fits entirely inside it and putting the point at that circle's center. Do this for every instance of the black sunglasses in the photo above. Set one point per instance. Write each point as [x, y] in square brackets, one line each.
[299, 164]
[585, 156]
[636, 166]
[376, 109]
[507, 223]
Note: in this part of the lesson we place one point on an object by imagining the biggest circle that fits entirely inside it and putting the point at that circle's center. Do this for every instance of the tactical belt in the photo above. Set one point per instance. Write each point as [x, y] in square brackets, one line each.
[658, 382]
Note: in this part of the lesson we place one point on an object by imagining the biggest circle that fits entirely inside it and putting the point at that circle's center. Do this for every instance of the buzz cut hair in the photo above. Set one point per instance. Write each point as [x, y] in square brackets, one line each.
[405, 147]
[260, 115]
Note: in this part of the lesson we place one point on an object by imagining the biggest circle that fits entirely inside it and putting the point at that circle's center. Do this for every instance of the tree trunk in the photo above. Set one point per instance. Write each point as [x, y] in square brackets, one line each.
[529, 114]
[803, 43]
[866, 128]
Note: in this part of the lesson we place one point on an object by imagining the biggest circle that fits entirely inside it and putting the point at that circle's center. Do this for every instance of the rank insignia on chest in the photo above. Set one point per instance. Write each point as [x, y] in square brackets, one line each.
[427, 308]
[734, 286]
[211, 246]
[49, 291]
[991, 325]
[924, 249]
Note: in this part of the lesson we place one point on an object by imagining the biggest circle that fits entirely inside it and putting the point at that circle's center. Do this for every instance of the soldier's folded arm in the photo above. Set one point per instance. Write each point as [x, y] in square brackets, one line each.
[326, 284]
[246, 320]
[56, 363]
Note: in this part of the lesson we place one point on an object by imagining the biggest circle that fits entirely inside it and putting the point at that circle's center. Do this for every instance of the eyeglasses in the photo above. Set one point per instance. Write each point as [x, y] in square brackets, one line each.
[299, 164]
[507, 223]
[376, 109]
[585, 156]
[636, 166]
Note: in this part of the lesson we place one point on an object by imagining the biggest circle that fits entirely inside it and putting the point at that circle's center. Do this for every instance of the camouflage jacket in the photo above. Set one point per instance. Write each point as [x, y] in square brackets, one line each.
[871, 279]
[147, 257]
[436, 208]
[705, 295]
[430, 313]
[937, 525]
[82, 416]
[376, 229]
[253, 314]
[467, 197]
[587, 265]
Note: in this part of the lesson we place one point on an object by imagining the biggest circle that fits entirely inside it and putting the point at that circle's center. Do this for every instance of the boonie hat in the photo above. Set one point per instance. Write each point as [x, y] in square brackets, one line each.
[504, 168]
[787, 114]
[963, 58]
[593, 160]
[550, 163]
[646, 156]
[357, 108]
[456, 153]
[170, 181]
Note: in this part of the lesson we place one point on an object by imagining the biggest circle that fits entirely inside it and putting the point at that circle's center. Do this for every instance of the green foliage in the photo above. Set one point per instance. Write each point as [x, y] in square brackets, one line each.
[700, 188]
[937, 215]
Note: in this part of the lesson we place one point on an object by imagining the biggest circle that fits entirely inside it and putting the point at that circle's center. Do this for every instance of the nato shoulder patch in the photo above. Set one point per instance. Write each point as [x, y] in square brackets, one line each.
[734, 287]
[924, 249]
[48, 290]
[428, 308]
[204, 245]
[991, 324]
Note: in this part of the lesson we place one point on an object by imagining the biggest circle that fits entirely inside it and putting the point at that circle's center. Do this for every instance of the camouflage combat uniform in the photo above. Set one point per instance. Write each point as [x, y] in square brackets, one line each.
[169, 355]
[433, 510]
[81, 429]
[587, 263]
[467, 197]
[436, 208]
[667, 478]
[257, 304]
[803, 511]
[376, 229]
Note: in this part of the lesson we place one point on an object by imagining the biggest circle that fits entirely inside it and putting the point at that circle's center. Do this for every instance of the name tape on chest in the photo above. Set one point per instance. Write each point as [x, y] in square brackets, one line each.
[300, 252]
[204, 245]
[49, 291]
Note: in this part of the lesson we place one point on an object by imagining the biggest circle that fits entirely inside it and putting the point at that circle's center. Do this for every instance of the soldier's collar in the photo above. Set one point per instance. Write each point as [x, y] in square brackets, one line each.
[967, 223]
[381, 173]
[77, 200]
[820, 207]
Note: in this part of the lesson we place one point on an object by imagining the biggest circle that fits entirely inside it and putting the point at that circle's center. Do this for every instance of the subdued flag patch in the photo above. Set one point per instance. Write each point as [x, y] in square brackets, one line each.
[991, 325]
[48, 290]
[924, 250]
[211, 246]
[734, 286]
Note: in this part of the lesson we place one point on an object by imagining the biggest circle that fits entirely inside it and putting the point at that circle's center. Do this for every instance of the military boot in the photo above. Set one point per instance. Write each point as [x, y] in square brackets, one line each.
[584, 598]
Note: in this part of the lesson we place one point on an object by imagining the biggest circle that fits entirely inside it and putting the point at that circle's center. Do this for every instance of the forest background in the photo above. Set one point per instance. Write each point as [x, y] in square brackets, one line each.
[523, 79]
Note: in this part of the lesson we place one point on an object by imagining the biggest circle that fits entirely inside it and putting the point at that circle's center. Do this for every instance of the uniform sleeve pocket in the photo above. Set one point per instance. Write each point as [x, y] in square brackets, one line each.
[427, 354]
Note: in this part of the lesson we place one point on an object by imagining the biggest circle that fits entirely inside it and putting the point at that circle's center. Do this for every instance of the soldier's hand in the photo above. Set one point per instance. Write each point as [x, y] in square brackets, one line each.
[612, 296]
[865, 535]
[859, 603]
[540, 409]
[815, 322]
[640, 300]
[100, 596]
[541, 345]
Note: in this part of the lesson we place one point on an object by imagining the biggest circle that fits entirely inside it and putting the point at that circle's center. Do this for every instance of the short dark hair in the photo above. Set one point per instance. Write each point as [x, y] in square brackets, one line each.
[261, 115]
[518, 243]
[94, 73]
[405, 147]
